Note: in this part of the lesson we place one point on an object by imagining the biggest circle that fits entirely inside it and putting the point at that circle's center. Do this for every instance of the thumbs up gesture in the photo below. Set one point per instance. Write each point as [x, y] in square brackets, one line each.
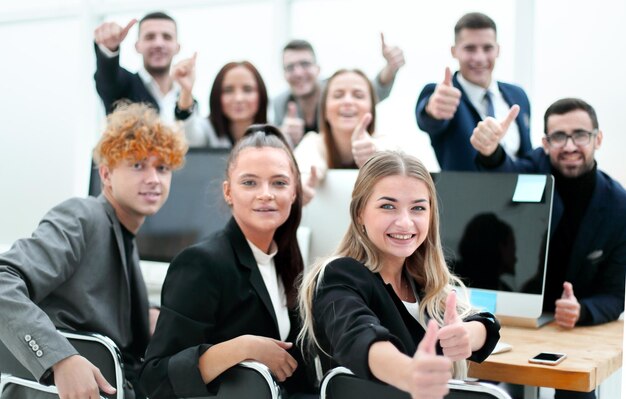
[363, 147]
[293, 125]
[429, 373]
[309, 184]
[395, 60]
[488, 133]
[454, 337]
[445, 99]
[111, 35]
[567, 310]
[184, 72]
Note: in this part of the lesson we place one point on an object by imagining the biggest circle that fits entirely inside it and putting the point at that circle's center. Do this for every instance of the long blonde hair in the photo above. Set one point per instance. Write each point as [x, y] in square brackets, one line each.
[426, 265]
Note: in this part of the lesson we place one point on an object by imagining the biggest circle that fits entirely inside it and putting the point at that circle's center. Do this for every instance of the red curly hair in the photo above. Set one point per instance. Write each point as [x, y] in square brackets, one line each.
[135, 132]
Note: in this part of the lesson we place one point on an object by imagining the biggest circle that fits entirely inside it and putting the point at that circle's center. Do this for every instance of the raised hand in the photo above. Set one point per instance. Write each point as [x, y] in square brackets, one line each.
[445, 99]
[110, 34]
[363, 146]
[293, 125]
[76, 378]
[567, 310]
[273, 353]
[429, 372]
[454, 337]
[184, 72]
[395, 60]
[488, 133]
[309, 185]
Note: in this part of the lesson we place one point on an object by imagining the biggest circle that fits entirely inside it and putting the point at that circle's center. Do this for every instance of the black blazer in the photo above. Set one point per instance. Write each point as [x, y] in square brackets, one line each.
[353, 308]
[114, 83]
[213, 292]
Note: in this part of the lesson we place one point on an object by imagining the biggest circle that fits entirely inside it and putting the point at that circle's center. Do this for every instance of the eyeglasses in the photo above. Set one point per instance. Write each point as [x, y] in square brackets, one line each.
[289, 68]
[580, 138]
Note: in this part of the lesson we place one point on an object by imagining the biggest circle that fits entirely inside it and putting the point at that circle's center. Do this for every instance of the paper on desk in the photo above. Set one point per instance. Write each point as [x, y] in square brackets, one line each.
[529, 188]
[501, 347]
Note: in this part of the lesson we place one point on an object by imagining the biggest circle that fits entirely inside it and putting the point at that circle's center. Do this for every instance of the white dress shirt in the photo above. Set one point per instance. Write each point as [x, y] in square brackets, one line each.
[274, 286]
[476, 94]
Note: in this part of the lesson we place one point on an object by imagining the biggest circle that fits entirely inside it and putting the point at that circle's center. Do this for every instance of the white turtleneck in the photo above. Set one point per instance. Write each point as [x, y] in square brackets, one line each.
[274, 286]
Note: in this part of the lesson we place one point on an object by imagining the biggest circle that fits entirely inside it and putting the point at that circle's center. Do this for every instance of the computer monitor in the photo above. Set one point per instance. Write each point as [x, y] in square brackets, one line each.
[477, 214]
[195, 207]
[495, 238]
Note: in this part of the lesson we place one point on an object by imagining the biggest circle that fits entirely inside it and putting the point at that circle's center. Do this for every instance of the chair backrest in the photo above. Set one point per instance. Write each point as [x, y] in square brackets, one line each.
[341, 383]
[99, 350]
[248, 380]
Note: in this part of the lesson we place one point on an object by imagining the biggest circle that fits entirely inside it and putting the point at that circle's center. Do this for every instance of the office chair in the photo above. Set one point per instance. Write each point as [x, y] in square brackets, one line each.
[341, 383]
[98, 349]
[248, 380]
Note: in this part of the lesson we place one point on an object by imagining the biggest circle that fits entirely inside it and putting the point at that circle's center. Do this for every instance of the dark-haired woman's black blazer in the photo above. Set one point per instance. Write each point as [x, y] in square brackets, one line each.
[213, 292]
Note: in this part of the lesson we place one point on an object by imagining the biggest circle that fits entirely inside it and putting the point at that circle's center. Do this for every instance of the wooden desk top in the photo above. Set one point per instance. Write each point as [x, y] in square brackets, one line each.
[593, 354]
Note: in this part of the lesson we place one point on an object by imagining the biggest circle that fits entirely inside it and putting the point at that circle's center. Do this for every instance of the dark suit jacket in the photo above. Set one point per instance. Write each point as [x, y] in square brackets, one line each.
[213, 292]
[450, 138]
[115, 83]
[597, 267]
[70, 274]
[353, 308]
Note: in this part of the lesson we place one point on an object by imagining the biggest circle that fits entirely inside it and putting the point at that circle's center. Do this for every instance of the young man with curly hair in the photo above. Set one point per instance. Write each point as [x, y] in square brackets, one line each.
[80, 268]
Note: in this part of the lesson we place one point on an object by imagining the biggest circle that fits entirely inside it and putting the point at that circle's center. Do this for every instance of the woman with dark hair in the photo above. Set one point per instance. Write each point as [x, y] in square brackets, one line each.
[237, 100]
[233, 297]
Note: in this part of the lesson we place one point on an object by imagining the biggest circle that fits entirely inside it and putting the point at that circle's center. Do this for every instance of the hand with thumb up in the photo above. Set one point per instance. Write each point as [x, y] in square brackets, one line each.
[567, 311]
[429, 373]
[293, 125]
[363, 147]
[488, 133]
[454, 336]
[445, 99]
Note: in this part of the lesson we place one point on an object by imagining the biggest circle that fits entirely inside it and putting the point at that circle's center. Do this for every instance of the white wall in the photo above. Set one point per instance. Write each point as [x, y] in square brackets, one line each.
[51, 116]
[580, 52]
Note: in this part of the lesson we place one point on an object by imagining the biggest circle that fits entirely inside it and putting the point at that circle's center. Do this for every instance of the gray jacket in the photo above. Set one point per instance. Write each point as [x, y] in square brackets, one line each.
[70, 274]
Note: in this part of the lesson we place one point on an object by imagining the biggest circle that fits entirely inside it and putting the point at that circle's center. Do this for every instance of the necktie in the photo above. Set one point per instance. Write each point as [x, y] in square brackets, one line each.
[490, 111]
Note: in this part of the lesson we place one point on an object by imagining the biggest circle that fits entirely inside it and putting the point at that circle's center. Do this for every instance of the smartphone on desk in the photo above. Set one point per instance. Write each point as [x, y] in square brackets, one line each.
[548, 358]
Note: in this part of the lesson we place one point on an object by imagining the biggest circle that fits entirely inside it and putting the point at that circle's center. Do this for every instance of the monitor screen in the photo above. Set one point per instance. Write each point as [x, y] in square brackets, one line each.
[195, 207]
[495, 244]
[494, 239]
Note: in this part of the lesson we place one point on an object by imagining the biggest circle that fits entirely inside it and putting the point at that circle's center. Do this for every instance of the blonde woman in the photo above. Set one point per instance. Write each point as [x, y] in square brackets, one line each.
[385, 306]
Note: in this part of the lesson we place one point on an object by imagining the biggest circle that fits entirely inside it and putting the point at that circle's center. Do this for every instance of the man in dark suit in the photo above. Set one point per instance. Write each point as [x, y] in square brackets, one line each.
[450, 110]
[80, 268]
[157, 43]
[586, 269]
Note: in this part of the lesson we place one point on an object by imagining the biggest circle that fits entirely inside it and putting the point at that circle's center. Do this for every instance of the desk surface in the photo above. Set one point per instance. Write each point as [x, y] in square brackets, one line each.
[593, 354]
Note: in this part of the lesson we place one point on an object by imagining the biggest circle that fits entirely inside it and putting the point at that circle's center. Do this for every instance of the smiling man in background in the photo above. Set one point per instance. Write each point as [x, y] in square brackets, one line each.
[450, 110]
[157, 43]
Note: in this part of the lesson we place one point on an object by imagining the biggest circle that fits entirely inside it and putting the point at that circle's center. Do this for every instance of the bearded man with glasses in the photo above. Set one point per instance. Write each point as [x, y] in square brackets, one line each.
[587, 251]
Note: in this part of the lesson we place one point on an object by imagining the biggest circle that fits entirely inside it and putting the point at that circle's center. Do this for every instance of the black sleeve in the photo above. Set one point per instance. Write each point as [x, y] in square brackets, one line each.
[183, 114]
[342, 314]
[493, 335]
[492, 161]
[189, 303]
[112, 81]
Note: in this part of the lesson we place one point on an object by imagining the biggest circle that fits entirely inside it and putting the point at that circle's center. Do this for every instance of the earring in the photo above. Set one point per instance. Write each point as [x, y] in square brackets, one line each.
[363, 229]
